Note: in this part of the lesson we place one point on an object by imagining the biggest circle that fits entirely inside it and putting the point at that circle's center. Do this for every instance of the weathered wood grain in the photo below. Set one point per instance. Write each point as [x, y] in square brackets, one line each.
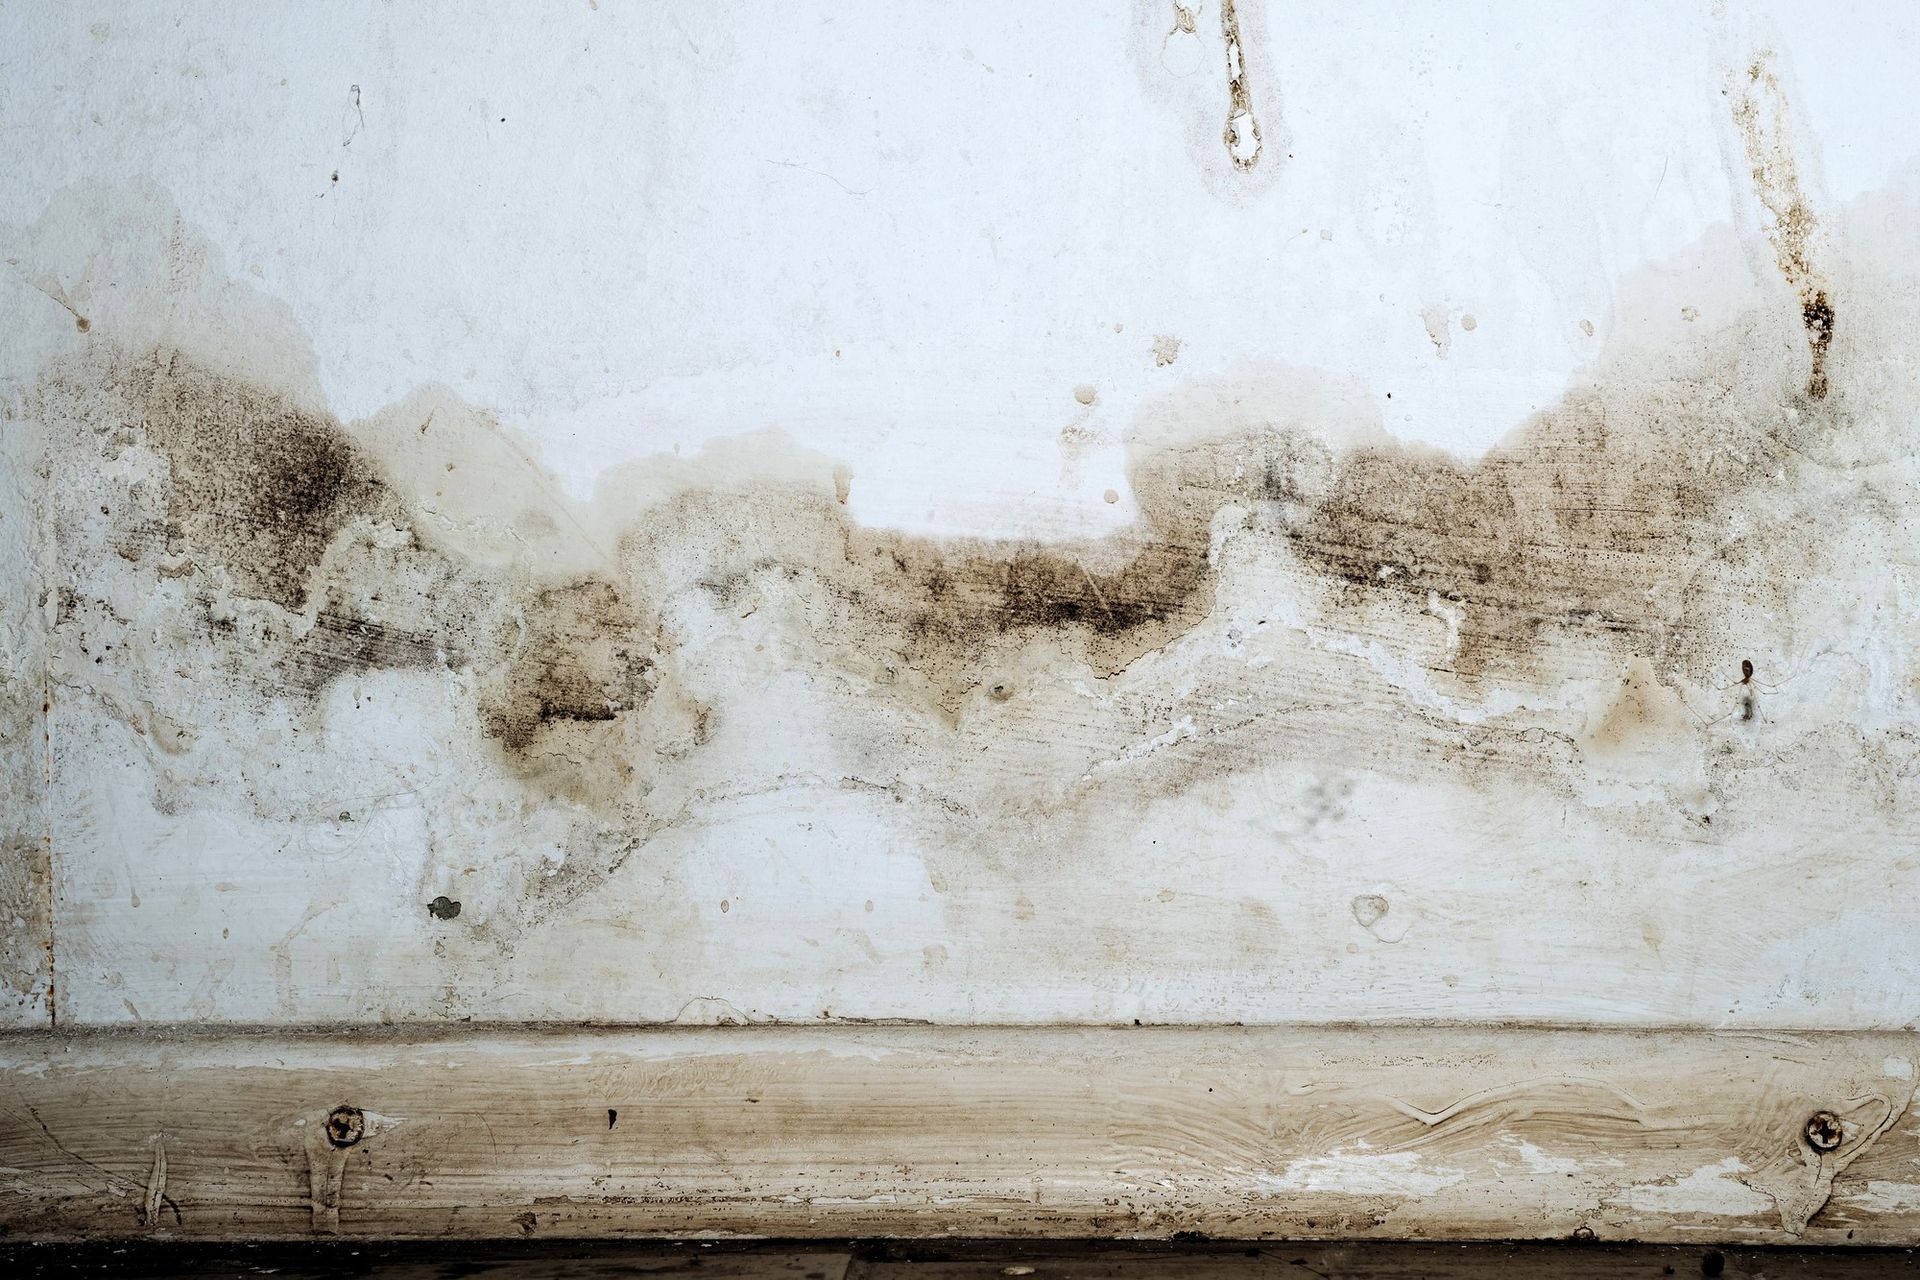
[1442, 1133]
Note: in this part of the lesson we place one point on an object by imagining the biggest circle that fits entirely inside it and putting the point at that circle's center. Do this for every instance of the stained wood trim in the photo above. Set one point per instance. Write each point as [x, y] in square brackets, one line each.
[1404, 1133]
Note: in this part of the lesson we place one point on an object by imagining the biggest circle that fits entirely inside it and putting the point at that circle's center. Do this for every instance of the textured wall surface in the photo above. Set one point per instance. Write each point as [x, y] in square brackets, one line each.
[1016, 514]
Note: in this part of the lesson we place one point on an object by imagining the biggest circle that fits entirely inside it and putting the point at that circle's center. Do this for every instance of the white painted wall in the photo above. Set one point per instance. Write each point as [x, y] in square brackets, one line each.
[963, 259]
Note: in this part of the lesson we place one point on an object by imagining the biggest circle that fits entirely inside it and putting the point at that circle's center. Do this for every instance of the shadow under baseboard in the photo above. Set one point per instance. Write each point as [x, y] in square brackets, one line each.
[945, 1260]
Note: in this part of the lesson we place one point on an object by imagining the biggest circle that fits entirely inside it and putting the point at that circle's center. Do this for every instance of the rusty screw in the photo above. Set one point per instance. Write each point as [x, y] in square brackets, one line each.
[345, 1126]
[1824, 1131]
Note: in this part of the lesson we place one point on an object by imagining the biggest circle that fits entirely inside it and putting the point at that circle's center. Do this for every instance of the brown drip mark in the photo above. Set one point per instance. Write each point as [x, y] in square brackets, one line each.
[1817, 313]
[1760, 111]
[1241, 133]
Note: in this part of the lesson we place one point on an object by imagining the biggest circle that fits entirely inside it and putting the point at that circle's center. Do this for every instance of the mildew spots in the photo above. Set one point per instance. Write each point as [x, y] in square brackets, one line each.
[259, 485]
[1571, 526]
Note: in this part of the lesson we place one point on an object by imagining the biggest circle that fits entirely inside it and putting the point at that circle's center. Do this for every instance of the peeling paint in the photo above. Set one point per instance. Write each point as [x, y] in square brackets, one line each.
[1359, 1173]
[1713, 1190]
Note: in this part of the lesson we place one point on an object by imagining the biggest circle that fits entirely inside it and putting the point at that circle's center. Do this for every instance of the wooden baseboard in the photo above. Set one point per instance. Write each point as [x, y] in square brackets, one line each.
[1252, 1133]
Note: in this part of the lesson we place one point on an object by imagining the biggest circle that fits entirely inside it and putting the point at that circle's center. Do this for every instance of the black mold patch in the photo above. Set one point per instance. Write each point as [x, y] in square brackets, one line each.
[263, 501]
[259, 486]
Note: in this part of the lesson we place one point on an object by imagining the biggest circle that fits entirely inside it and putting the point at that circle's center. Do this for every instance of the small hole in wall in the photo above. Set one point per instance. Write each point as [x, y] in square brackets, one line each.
[612, 1116]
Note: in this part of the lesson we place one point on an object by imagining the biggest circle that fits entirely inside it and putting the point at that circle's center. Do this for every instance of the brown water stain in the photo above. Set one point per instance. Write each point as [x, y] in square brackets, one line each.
[1655, 523]
[1572, 525]
[267, 501]
[1583, 531]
